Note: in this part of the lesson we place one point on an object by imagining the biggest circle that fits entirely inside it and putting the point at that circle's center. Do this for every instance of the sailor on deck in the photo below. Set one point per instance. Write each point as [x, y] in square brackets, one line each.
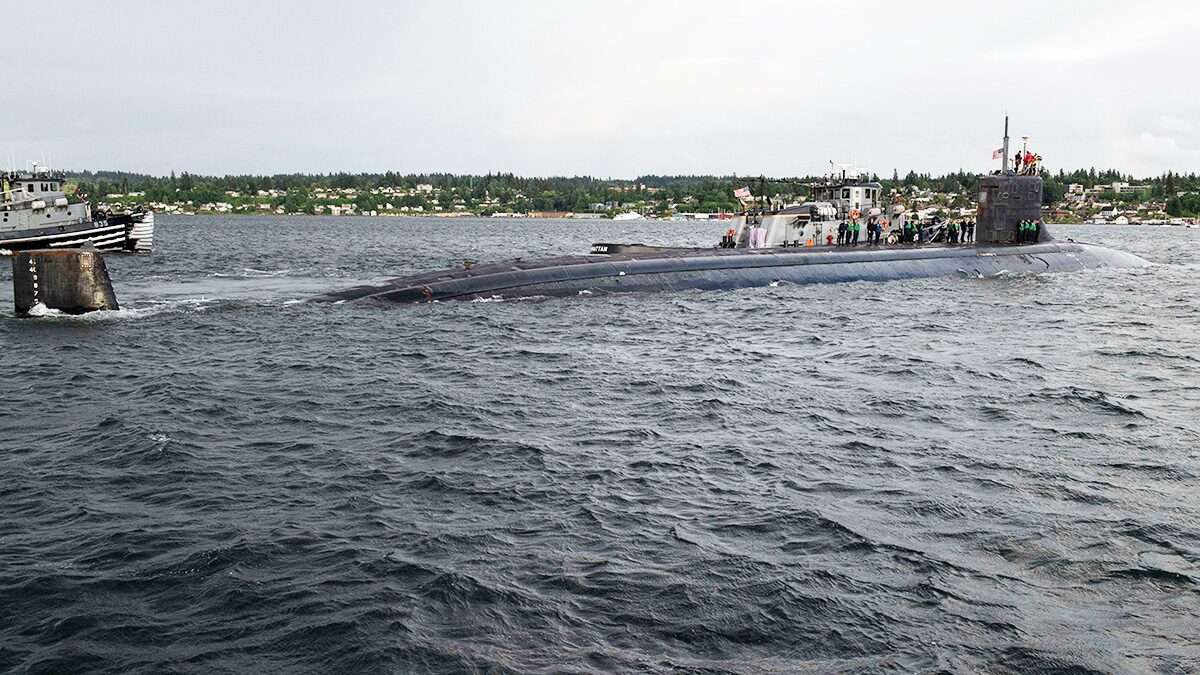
[758, 236]
[744, 237]
[1027, 232]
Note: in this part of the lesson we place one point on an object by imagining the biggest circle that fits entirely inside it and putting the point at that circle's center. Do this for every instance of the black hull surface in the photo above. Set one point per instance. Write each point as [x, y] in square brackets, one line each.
[719, 269]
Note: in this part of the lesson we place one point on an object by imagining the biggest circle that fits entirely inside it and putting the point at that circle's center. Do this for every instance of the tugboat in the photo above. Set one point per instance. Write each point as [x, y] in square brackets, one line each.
[36, 213]
[792, 245]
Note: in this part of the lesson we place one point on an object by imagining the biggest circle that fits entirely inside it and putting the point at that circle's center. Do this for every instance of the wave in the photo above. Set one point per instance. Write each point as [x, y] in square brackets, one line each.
[251, 273]
[149, 309]
[40, 310]
[1099, 400]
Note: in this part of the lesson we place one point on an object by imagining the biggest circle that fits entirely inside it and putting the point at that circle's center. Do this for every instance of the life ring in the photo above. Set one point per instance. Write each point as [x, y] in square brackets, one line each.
[854, 214]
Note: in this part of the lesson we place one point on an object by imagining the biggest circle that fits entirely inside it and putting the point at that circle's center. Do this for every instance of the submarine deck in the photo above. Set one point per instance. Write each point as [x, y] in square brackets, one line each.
[644, 268]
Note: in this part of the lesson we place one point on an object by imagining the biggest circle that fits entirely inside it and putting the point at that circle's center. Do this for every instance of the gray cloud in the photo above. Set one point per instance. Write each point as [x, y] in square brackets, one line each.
[602, 88]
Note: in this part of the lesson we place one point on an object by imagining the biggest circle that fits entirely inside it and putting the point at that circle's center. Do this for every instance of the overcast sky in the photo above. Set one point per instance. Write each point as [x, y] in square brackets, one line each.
[611, 89]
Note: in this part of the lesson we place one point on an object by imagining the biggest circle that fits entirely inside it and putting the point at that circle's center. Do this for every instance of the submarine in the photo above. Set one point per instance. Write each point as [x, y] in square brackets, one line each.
[792, 245]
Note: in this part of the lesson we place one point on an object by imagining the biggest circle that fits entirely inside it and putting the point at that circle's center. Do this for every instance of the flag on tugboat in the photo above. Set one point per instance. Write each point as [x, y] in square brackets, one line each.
[742, 193]
[998, 153]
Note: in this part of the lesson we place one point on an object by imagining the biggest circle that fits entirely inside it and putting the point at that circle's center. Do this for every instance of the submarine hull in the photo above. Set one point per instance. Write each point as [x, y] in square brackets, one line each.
[719, 269]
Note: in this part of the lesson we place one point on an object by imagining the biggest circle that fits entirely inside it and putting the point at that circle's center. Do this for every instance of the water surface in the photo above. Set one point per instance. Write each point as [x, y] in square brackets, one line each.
[955, 474]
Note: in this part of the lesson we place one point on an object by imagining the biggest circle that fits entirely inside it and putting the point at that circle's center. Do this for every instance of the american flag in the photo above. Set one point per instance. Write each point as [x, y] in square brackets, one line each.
[742, 193]
[997, 153]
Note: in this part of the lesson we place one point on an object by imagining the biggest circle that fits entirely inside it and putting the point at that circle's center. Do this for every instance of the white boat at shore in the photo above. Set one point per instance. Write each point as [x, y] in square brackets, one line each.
[629, 215]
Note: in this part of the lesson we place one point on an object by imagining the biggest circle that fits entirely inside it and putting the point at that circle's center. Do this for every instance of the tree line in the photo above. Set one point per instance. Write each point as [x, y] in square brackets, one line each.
[580, 193]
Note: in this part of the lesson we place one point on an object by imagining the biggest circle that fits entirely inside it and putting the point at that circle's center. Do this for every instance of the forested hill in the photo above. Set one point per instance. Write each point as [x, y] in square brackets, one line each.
[506, 191]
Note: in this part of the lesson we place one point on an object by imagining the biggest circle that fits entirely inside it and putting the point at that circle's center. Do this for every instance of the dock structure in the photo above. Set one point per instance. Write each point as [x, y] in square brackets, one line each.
[74, 281]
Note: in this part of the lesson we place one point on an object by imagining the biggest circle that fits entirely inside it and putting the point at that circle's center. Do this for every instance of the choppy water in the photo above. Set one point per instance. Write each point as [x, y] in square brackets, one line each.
[943, 474]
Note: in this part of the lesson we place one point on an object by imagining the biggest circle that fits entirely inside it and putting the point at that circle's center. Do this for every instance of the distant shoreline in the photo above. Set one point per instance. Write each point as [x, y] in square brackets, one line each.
[1079, 195]
[714, 221]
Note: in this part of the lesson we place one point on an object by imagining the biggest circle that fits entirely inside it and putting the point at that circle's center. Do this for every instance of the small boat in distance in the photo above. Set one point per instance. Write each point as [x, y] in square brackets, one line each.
[629, 215]
[35, 212]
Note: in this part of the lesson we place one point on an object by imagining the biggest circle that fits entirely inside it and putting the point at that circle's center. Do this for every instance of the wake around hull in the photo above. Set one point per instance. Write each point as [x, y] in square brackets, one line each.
[125, 232]
[719, 269]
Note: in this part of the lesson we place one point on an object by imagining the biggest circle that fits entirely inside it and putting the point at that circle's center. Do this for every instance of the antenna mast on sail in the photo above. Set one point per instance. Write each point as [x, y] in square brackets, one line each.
[1004, 165]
